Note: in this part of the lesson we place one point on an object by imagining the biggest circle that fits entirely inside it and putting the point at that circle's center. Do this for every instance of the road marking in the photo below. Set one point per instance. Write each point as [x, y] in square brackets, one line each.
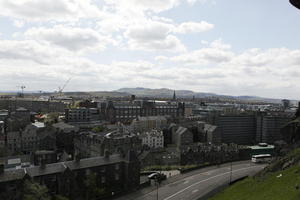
[170, 197]
[207, 173]
[185, 182]
[203, 173]
[194, 191]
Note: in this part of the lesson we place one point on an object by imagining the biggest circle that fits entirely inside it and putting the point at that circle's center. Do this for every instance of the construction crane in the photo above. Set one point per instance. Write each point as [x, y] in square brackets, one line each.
[61, 89]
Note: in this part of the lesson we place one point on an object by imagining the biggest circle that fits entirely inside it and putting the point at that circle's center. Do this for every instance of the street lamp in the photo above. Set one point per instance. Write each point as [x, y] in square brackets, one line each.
[295, 3]
[157, 184]
[230, 178]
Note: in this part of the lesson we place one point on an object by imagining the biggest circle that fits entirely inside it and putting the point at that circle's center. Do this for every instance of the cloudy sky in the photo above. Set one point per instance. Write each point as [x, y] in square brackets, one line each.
[228, 47]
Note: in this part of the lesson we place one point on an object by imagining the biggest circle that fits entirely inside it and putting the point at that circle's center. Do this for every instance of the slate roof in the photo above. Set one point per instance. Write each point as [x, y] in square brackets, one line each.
[181, 130]
[56, 168]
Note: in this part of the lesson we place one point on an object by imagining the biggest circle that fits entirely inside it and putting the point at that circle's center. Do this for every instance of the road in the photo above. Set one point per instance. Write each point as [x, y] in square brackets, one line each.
[196, 184]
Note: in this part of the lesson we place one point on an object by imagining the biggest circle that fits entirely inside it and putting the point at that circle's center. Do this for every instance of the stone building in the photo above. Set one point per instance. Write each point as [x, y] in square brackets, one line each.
[114, 174]
[153, 139]
[142, 124]
[35, 136]
[32, 105]
[18, 119]
[82, 115]
[89, 144]
[65, 134]
[181, 136]
[127, 111]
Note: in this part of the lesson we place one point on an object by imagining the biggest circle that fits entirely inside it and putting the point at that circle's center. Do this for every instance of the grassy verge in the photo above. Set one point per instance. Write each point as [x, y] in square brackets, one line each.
[281, 185]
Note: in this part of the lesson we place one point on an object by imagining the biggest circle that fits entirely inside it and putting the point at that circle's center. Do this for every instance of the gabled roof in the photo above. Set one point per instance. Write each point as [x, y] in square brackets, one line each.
[181, 130]
[56, 168]
[12, 175]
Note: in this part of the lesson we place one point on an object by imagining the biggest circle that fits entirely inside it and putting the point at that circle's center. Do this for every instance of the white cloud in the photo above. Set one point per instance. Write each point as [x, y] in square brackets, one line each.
[193, 27]
[216, 53]
[271, 72]
[153, 36]
[45, 10]
[153, 5]
[73, 39]
[192, 2]
[18, 23]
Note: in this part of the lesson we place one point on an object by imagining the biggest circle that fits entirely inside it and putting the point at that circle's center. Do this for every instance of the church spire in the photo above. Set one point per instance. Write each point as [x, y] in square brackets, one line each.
[174, 96]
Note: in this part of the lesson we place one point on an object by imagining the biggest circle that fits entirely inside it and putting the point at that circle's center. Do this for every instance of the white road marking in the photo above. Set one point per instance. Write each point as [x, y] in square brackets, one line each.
[194, 191]
[185, 182]
[207, 173]
[170, 197]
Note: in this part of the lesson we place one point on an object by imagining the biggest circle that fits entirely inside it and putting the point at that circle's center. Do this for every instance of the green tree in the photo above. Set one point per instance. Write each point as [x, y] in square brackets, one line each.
[98, 129]
[59, 197]
[35, 191]
[52, 118]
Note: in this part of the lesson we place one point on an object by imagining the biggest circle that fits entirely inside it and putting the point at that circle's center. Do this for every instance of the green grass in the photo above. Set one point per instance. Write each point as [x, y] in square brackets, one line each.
[171, 167]
[267, 187]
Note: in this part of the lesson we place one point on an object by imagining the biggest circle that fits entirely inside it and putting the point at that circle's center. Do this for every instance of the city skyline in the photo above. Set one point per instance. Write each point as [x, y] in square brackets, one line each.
[231, 48]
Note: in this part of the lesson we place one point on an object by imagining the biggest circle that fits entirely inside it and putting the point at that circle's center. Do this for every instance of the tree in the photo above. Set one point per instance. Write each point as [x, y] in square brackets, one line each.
[59, 197]
[98, 129]
[52, 118]
[35, 191]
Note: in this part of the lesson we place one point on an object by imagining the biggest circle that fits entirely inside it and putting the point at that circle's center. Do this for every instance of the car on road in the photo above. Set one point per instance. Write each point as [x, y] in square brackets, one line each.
[157, 176]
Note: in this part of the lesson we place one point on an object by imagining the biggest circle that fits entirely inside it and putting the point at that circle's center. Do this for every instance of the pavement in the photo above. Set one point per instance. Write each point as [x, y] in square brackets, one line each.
[195, 184]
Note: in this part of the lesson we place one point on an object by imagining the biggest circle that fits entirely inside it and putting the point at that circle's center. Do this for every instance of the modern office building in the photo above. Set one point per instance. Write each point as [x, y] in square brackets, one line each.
[82, 115]
[238, 129]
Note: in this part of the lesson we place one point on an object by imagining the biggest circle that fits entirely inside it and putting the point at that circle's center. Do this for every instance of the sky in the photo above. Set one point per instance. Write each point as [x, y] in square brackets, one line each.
[229, 47]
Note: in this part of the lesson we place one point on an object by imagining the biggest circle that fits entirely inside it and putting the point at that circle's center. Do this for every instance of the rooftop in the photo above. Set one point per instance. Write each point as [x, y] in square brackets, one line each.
[18, 174]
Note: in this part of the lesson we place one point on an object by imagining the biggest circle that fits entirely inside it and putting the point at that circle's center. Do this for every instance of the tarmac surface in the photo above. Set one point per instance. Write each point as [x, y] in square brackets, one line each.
[195, 184]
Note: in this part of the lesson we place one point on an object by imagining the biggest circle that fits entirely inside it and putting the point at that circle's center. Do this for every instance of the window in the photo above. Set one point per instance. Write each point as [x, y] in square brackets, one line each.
[117, 177]
[103, 180]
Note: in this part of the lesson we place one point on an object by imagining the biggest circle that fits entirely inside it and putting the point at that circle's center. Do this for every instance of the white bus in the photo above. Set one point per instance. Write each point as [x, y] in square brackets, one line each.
[262, 158]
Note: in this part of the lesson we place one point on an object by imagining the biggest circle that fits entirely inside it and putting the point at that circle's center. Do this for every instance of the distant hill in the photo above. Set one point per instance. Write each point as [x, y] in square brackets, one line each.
[152, 93]
[168, 93]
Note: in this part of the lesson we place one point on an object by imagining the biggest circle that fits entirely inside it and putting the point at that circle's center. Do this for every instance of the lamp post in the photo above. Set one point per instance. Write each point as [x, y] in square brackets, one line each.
[157, 184]
[230, 177]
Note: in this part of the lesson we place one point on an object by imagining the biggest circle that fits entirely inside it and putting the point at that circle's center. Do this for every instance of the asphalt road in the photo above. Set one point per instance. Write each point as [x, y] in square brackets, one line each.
[196, 184]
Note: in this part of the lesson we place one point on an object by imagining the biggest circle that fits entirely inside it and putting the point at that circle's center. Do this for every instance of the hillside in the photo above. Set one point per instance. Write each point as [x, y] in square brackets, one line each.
[280, 181]
[168, 93]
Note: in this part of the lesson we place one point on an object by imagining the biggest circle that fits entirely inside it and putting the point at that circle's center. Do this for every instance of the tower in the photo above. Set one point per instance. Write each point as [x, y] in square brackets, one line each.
[174, 96]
